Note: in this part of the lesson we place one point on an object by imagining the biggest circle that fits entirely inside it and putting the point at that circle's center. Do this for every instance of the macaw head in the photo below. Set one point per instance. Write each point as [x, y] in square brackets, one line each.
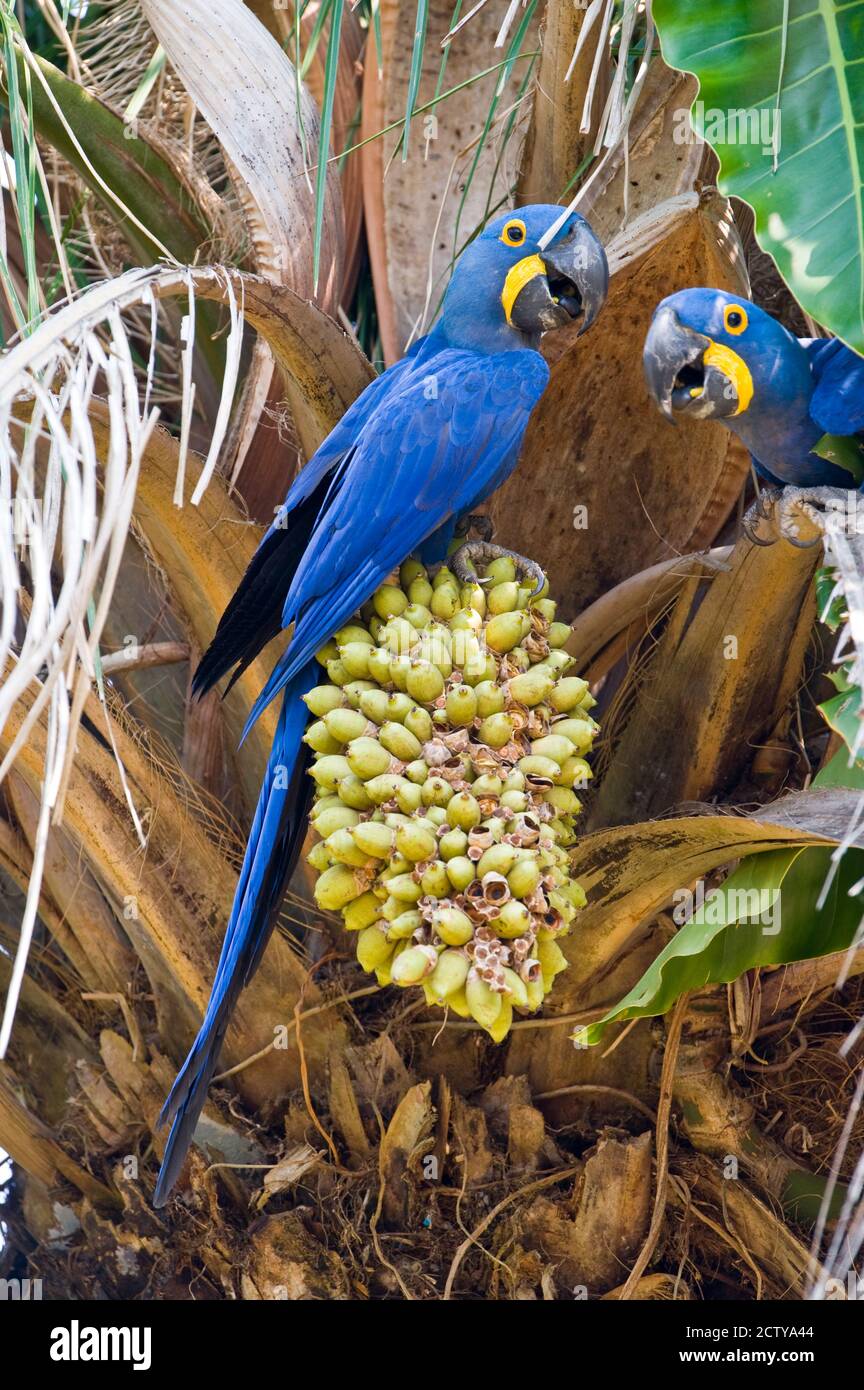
[713, 355]
[518, 282]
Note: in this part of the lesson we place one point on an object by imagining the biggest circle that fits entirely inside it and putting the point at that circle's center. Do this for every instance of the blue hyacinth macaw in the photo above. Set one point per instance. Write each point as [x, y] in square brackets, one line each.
[425, 443]
[712, 355]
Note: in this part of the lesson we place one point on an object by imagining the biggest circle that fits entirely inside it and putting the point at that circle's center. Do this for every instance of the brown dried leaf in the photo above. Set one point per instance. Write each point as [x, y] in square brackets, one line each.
[753, 1228]
[527, 1138]
[469, 1146]
[593, 1237]
[105, 962]
[288, 1171]
[30, 1144]
[380, 1075]
[280, 20]
[245, 86]
[410, 1126]
[653, 165]
[176, 898]
[345, 1112]
[657, 1288]
[726, 667]
[47, 1043]
[323, 368]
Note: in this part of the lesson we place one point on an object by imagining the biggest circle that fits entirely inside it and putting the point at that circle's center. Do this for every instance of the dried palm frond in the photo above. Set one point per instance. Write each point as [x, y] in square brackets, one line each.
[621, 103]
[261, 122]
[115, 48]
[124, 64]
[61, 514]
[267, 126]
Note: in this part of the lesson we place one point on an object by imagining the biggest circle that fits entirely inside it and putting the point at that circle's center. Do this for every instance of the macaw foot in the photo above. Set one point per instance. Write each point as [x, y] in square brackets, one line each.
[476, 521]
[799, 515]
[463, 563]
[758, 522]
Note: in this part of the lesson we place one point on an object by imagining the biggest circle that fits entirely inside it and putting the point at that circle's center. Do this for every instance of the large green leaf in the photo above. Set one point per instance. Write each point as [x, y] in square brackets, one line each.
[735, 930]
[153, 206]
[843, 713]
[840, 772]
[809, 208]
[123, 168]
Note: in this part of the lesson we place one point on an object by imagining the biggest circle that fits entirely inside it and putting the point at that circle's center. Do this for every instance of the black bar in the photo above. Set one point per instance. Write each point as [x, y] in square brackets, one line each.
[580, 1337]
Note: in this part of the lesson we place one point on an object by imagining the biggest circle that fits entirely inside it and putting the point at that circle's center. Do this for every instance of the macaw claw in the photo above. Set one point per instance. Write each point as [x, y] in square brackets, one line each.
[463, 563]
[761, 515]
[799, 515]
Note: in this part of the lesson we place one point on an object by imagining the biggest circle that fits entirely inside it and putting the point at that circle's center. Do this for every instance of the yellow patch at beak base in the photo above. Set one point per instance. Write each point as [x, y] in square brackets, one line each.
[733, 367]
[517, 278]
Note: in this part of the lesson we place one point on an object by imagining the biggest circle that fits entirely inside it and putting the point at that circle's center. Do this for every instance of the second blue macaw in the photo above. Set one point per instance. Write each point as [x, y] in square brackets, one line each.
[713, 355]
[424, 444]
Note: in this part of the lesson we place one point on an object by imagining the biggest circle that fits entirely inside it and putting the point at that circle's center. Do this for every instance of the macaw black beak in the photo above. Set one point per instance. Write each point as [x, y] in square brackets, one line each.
[688, 372]
[568, 281]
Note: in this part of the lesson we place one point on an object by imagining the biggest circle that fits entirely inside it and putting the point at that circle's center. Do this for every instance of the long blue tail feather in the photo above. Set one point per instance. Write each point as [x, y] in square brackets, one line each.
[271, 853]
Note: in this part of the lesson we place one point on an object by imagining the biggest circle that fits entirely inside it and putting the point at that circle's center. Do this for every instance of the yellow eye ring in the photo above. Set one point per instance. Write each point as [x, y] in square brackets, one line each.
[514, 232]
[735, 319]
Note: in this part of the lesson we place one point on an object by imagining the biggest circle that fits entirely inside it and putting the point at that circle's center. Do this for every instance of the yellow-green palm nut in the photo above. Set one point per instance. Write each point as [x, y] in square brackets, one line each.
[446, 747]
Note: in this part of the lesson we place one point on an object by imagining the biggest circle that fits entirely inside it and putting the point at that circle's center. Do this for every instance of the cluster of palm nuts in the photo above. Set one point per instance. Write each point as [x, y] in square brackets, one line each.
[448, 743]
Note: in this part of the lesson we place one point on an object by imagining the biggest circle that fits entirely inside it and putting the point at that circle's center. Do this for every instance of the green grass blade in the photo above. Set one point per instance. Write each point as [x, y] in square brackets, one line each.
[24, 156]
[506, 135]
[513, 52]
[439, 81]
[138, 187]
[155, 67]
[376, 34]
[298, 81]
[314, 37]
[416, 70]
[330, 73]
[428, 106]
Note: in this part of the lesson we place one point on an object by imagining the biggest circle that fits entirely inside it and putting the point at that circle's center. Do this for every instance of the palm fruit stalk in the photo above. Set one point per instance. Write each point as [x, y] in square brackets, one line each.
[449, 745]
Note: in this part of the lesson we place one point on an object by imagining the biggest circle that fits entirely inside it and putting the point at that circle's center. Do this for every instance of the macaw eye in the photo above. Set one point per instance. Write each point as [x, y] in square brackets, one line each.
[513, 232]
[734, 318]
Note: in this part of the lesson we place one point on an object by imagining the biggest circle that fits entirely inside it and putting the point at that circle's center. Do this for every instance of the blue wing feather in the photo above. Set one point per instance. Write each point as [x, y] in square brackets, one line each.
[340, 440]
[253, 617]
[430, 458]
[837, 403]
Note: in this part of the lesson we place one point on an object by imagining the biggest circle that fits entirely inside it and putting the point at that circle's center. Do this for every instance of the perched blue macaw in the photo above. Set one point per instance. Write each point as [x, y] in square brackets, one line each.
[425, 443]
[712, 355]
